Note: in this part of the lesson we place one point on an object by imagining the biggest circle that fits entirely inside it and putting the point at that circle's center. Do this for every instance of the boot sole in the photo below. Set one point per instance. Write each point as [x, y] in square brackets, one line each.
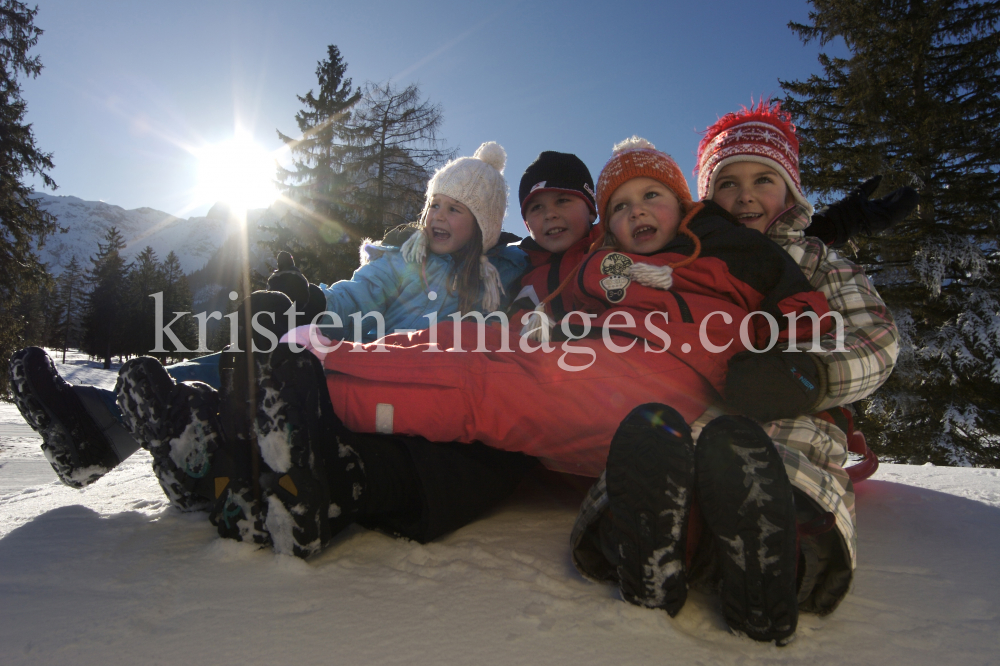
[650, 481]
[72, 443]
[288, 432]
[238, 515]
[746, 500]
[176, 423]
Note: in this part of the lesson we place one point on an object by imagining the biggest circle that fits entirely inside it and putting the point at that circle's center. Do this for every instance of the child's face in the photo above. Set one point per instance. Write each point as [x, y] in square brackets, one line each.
[450, 225]
[753, 193]
[644, 215]
[557, 220]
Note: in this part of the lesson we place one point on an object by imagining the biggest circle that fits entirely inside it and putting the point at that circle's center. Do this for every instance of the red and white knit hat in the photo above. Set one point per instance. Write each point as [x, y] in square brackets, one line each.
[763, 134]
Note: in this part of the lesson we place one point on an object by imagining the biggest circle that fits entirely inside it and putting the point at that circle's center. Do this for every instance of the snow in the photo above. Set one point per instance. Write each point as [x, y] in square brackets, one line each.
[112, 575]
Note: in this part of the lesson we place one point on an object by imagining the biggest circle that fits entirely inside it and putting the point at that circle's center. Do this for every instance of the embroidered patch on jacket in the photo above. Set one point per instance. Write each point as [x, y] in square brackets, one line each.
[616, 267]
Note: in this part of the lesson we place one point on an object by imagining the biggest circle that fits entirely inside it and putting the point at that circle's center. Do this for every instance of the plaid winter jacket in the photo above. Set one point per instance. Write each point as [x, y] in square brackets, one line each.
[871, 339]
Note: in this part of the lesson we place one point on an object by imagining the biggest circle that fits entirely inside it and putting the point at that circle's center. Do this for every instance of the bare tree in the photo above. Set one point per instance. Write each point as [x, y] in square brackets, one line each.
[394, 150]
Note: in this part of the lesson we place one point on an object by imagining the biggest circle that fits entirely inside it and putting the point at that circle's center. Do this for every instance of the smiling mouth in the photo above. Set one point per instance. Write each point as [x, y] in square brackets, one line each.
[643, 232]
[439, 234]
[555, 230]
[749, 217]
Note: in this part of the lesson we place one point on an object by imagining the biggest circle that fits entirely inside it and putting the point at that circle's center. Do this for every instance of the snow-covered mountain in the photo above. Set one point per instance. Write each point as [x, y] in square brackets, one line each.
[193, 239]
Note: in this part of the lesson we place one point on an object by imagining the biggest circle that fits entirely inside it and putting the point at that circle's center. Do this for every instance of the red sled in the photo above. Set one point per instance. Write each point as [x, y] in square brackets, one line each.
[856, 444]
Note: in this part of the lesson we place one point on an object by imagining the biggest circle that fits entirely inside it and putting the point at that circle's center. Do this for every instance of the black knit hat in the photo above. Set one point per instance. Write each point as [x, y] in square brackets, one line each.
[563, 172]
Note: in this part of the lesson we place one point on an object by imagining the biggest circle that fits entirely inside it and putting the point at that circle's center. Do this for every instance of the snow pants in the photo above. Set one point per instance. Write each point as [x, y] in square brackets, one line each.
[552, 406]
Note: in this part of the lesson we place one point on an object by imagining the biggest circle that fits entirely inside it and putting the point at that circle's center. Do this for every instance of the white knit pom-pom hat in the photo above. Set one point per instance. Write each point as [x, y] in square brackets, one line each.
[477, 183]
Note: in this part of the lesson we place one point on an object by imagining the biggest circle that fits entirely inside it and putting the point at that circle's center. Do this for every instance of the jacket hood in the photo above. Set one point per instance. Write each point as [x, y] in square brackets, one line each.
[371, 250]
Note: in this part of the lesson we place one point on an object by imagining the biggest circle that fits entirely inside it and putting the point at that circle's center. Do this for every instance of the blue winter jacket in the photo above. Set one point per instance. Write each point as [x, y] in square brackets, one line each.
[385, 283]
[388, 284]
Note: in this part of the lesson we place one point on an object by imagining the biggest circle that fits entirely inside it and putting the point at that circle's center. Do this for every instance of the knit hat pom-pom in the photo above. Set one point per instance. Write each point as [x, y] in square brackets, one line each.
[632, 143]
[493, 154]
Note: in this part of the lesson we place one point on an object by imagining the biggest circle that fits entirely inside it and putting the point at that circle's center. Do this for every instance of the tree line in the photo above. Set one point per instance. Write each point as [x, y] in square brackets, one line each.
[108, 310]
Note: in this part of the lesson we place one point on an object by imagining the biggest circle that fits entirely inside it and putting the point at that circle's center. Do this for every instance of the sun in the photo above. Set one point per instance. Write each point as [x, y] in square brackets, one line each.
[237, 171]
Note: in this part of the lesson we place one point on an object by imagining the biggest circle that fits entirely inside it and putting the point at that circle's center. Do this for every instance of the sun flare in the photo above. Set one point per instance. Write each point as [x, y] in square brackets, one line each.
[237, 171]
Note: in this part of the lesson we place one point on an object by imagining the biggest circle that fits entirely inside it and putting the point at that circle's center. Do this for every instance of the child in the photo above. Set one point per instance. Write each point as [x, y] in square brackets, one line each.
[463, 270]
[557, 205]
[450, 483]
[748, 163]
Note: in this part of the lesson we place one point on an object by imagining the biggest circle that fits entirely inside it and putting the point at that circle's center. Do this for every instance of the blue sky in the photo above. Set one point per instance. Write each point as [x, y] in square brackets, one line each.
[128, 87]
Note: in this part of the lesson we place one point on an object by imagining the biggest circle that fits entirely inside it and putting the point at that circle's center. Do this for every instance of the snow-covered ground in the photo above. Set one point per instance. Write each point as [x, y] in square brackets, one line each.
[112, 575]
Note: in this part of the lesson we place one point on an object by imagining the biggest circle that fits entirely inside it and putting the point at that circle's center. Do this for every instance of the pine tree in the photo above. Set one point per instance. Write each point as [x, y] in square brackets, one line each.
[177, 298]
[138, 308]
[103, 334]
[316, 182]
[68, 307]
[394, 151]
[22, 223]
[361, 167]
[919, 101]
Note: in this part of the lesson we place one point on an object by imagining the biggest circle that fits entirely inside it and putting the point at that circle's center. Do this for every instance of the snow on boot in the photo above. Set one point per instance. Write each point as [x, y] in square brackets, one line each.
[81, 438]
[177, 423]
[650, 480]
[295, 425]
[747, 503]
[239, 512]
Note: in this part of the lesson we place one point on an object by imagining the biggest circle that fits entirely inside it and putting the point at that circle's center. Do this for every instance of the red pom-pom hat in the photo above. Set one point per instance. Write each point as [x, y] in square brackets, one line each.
[763, 134]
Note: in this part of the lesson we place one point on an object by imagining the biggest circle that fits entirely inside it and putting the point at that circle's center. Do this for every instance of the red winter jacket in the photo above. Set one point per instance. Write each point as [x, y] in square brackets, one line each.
[739, 271]
[547, 271]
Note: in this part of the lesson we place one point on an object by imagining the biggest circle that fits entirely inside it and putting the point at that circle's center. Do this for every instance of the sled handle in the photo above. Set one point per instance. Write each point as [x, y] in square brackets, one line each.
[866, 467]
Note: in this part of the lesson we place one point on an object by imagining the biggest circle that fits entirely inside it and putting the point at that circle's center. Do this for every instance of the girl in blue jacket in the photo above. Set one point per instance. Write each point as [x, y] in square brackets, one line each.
[451, 264]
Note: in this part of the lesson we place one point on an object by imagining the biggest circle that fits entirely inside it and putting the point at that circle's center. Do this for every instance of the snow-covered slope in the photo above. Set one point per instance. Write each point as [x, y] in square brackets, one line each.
[194, 239]
[110, 575]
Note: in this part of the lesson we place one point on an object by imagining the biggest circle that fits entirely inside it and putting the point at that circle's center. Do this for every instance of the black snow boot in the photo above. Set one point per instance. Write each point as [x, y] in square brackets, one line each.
[239, 509]
[747, 503]
[824, 567]
[238, 512]
[82, 438]
[650, 482]
[296, 427]
[178, 424]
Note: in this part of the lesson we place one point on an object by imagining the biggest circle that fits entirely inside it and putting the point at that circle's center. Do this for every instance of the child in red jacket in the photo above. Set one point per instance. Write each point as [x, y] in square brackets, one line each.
[559, 210]
[654, 471]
